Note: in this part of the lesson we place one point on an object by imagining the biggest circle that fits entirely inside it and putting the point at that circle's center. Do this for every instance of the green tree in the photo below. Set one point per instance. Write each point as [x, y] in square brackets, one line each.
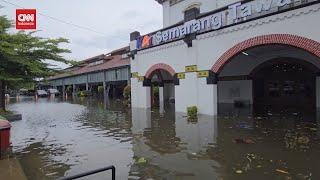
[24, 56]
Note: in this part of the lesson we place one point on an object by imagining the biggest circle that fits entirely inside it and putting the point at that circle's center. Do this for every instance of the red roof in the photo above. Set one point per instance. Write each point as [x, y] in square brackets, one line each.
[110, 62]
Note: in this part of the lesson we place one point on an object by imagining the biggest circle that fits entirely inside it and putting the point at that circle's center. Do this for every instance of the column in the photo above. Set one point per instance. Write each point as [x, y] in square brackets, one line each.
[105, 95]
[161, 99]
[87, 86]
[186, 94]
[74, 91]
[207, 97]
[141, 119]
[63, 91]
[140, 95]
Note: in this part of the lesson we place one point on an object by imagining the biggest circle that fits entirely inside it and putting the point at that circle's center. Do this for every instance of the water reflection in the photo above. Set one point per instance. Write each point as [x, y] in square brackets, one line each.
[58, 138]
[172, 147]
[40, 155]
[90, 136]
[225, 147]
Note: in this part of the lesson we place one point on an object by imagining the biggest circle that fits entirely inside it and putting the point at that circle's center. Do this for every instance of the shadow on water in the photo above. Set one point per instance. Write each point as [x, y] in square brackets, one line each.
[57, 138]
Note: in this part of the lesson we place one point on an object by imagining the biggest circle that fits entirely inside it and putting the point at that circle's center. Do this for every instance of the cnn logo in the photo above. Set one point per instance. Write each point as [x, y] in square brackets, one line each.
[26, 19]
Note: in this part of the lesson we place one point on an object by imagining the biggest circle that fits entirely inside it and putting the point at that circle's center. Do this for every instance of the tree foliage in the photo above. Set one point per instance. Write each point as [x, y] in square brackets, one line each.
[23, 56]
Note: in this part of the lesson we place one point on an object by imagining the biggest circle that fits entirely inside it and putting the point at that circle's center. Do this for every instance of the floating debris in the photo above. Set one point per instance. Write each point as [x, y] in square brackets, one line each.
[243, 141]
[244, 126]
[313, 129]
[142, 160]
[282, 171]
[52, 174]
[239, 171]
[303, 140]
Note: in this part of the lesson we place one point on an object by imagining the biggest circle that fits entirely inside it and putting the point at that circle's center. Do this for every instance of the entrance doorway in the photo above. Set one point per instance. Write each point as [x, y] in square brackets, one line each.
[162, 89]
[284, 85]
[270, 79]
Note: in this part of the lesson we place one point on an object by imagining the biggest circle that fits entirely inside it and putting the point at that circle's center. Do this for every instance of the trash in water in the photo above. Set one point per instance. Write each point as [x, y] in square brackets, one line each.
[142, 160]
[52, 174]
[239, 171]
[303, 140]
[244, 126]
[243, 141]
[282, 171]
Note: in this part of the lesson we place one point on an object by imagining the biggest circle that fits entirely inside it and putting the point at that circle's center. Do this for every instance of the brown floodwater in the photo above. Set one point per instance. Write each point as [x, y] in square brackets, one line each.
[59, 138]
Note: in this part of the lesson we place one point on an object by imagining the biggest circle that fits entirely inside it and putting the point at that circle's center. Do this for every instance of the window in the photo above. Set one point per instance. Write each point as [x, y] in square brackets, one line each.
[96, 63]
[173, 2]
[193, 5]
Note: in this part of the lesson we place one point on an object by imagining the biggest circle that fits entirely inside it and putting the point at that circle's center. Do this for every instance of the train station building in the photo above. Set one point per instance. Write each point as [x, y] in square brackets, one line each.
[216, 54]
[110, 71]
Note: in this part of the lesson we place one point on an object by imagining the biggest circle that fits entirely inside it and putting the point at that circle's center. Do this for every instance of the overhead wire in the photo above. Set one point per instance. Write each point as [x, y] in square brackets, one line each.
[59, 20]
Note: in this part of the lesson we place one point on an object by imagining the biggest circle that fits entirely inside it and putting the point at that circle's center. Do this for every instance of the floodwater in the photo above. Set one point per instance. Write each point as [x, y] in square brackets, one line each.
[59, 138]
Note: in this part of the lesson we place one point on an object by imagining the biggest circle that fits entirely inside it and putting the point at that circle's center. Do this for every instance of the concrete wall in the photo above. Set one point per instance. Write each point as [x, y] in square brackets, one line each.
[229, 91]
[141, 96]
[222, 3]
[175, 13]
[209, 47]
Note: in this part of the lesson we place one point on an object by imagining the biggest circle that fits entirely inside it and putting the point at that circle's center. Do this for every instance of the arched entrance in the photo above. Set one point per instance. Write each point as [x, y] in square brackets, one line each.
[162, 88]
[270, 73]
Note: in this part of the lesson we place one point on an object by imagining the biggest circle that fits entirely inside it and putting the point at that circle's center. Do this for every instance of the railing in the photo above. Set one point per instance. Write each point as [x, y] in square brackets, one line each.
[92, 172]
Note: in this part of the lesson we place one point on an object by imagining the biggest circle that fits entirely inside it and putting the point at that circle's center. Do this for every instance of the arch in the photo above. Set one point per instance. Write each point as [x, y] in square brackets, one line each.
[309, 45]
[306, 64]
[160, 66]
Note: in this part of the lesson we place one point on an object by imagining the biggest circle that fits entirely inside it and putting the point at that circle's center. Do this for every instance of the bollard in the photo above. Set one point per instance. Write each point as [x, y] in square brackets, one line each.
[4, 135]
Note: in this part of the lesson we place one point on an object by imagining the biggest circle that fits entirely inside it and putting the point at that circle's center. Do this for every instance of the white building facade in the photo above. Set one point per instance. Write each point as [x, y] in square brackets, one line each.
[213, 53]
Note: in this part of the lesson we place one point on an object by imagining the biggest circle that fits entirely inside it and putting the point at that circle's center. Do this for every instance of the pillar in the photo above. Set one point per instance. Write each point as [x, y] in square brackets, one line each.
[74, 91]
[161, 99]
[186, 94]
[141, 119]
[207, 97]
[194, 91]
[140, 95]
[63, 91]
[105, 95]
[87, 86]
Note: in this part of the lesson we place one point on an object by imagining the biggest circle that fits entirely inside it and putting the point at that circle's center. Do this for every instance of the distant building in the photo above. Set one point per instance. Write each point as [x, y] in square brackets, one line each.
[112, 71]
[217, 54]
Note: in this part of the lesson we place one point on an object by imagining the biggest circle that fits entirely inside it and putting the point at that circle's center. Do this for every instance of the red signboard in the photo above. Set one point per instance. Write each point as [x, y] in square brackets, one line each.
[26, 19]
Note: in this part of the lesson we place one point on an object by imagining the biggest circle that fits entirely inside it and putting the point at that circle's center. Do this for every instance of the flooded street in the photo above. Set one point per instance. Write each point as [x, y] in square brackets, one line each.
[57, 138]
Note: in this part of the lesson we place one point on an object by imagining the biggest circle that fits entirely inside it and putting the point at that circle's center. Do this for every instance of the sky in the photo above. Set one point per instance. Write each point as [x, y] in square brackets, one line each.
[110, 22]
